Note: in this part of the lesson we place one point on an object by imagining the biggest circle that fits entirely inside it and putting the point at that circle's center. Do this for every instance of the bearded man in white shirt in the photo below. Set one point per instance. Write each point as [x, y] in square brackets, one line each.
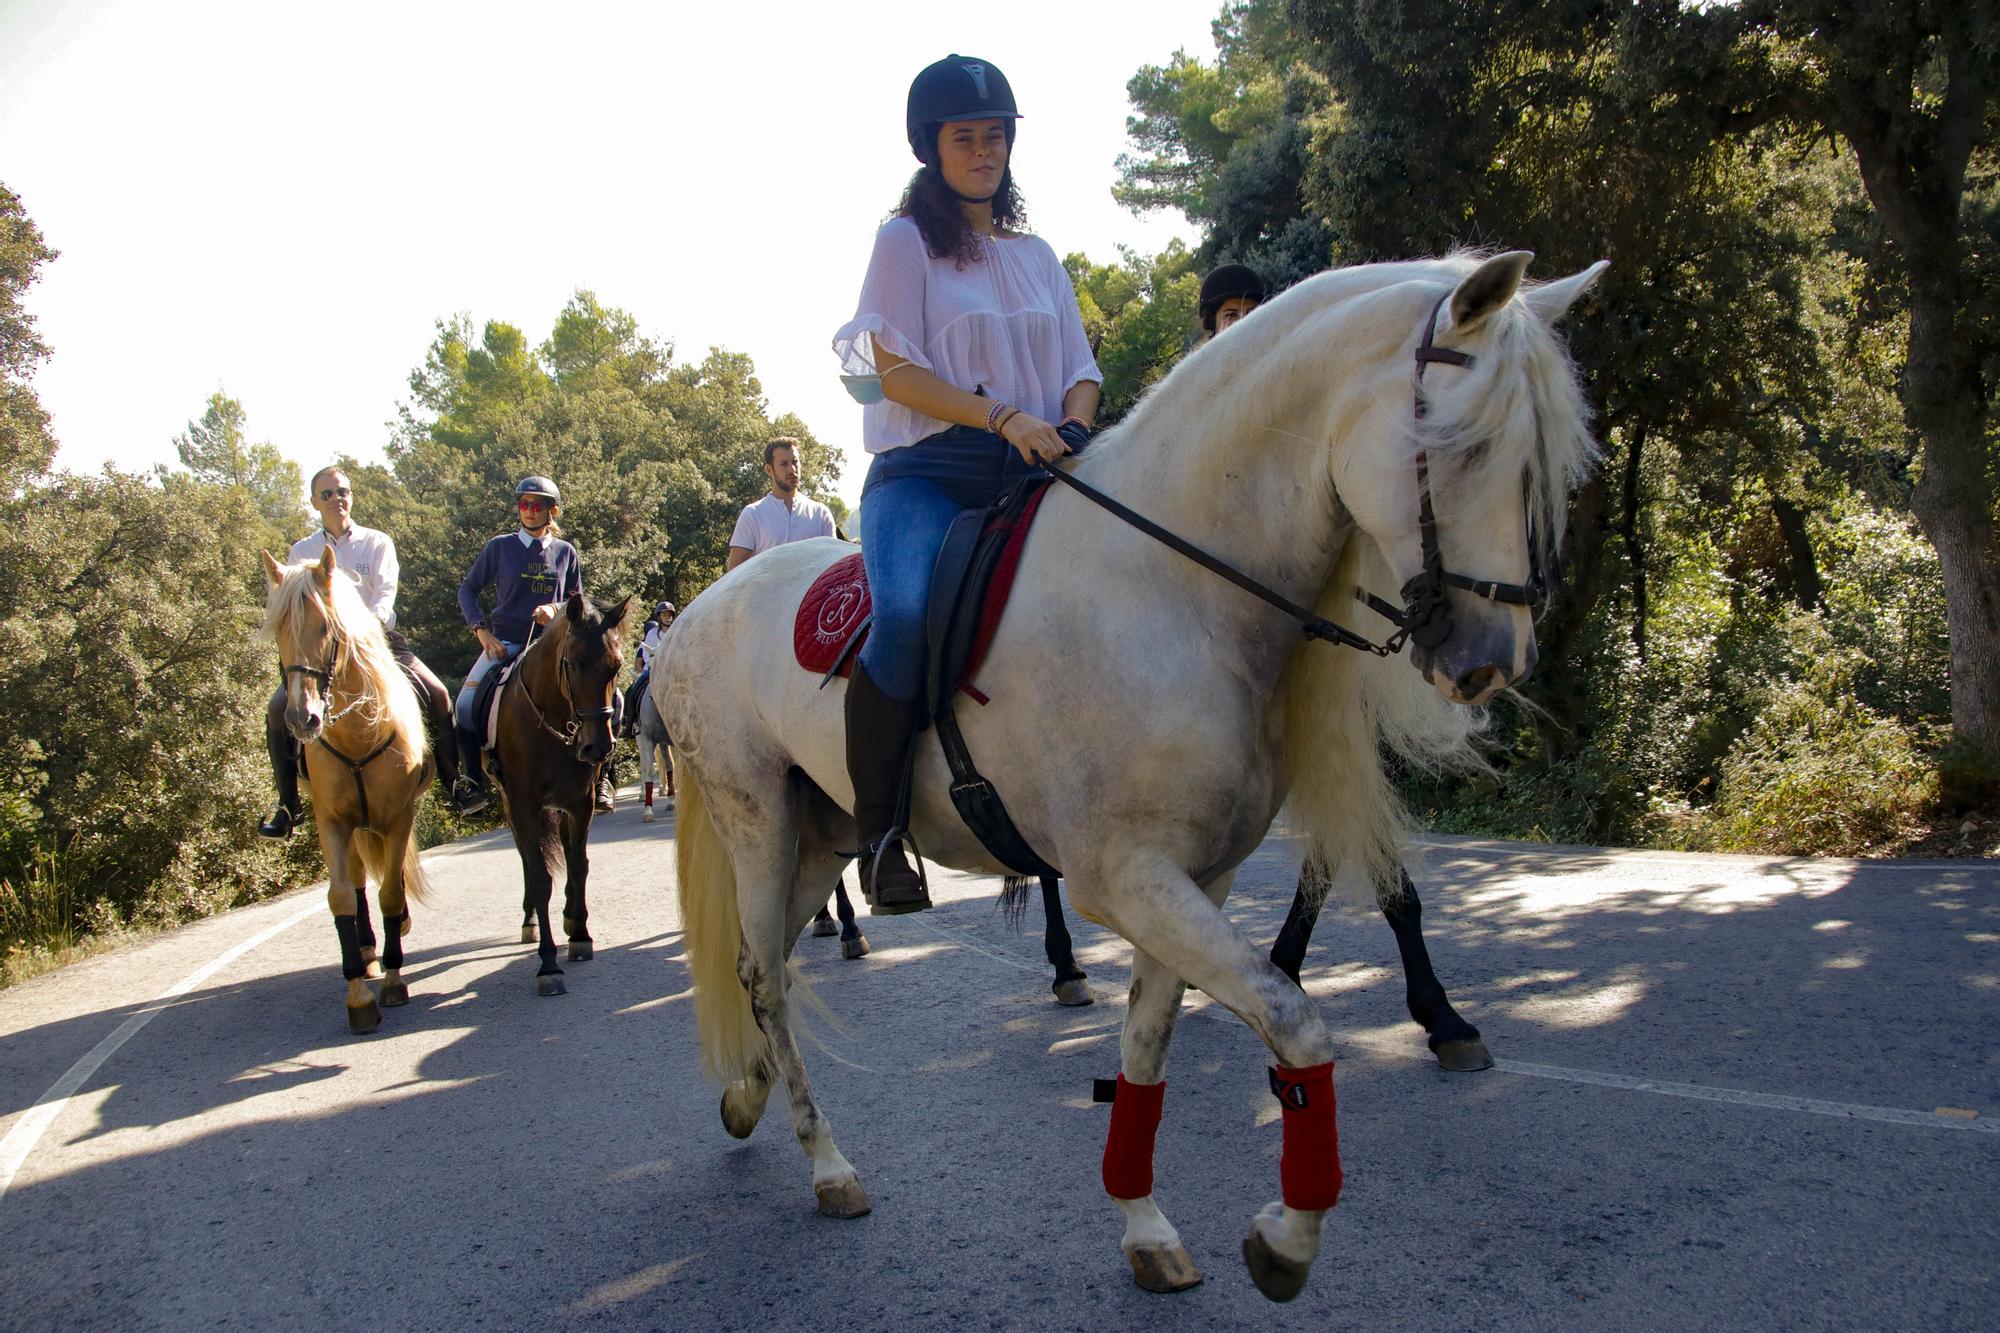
[368, 557]
[782, 516]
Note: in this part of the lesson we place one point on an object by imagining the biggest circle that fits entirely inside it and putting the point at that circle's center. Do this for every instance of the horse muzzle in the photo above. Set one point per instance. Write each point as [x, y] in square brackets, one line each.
[1477, 661]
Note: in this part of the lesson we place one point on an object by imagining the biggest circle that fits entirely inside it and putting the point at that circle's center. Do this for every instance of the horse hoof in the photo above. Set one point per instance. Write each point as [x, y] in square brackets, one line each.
[1276, 1276]
[1076, 993]
[1464, 1057]
[843, 1198]
[825, 925]
[365, 1019]
[854, 948]
[530, 935]
[395, 994]
[550, 985]
[371, 969]
[1163, 1268]
[740, 1123]
[648, 815]
[580, 951]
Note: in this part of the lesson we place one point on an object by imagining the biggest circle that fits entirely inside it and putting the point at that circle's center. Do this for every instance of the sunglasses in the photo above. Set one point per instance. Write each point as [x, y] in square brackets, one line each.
[533, 505]
[329, 492]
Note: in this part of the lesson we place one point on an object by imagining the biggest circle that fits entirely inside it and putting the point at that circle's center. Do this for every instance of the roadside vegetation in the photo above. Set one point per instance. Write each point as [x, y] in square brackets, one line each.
[1766, 632]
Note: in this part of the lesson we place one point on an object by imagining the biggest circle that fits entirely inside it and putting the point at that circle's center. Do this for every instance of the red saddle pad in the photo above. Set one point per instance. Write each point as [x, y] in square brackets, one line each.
[837, 603]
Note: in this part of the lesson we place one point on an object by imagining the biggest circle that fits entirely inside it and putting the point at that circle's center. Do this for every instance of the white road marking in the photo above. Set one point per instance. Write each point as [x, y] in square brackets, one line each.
[28, 1130]
[1766, 1101]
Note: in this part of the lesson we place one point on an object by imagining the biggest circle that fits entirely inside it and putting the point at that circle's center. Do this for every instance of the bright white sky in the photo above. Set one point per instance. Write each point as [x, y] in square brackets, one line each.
[278, 201]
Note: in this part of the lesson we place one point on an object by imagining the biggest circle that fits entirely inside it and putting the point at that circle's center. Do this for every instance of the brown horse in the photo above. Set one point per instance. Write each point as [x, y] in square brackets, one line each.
[367, 765]
[553, 733]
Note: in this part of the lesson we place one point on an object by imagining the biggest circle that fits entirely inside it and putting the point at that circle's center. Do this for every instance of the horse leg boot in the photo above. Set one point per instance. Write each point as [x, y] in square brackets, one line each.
[880, 731]
[284, 770]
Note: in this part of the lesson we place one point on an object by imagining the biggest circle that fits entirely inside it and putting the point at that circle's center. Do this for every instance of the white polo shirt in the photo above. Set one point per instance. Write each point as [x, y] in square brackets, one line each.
[771, 522]
[364, 555]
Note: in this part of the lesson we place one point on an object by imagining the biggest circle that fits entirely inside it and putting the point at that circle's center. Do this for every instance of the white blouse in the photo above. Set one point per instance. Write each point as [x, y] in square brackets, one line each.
[1007, 324]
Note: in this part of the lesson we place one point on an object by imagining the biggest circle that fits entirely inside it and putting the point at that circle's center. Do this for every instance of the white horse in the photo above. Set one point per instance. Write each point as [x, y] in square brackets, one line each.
[1148, 720]
[656, 755]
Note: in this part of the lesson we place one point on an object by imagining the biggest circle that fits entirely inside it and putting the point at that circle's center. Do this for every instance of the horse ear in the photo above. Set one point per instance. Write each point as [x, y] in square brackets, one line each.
[1552, 300]
[274, 573]
[1487, 288]
[575, 608]
[616, 615]
[324, 572]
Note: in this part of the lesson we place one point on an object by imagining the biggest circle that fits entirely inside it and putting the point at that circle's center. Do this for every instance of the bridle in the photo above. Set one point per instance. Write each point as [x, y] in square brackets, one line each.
[1425, 616]
[323, 677]
[577, 716]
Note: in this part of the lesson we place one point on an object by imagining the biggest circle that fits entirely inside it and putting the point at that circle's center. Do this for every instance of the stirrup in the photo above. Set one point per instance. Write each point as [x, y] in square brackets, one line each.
[279, 824]
[469, 796]
[899, 900]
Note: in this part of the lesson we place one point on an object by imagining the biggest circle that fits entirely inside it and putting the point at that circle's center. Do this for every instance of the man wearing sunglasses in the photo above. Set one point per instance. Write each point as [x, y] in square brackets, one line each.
[369, 558]
[532, 572]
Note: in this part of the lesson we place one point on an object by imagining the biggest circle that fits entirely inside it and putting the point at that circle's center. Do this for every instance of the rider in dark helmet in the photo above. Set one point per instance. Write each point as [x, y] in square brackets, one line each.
[649, 644]
[969, 354]
[1228, 294]
[532, 572]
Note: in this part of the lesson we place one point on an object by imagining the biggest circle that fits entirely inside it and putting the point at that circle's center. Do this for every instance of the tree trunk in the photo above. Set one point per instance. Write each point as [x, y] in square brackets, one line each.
[1635, 555]
[1945, 408]
[1556, 720]
[1802, 567]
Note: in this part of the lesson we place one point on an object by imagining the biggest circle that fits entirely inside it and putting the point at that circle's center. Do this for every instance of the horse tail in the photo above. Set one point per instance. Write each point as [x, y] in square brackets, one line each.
[731, 1042]
[382, 860]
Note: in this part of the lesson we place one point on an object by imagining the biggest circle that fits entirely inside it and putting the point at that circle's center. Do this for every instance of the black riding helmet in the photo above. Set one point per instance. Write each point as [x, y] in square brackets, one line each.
[541, 486]
[956, 88]
[1227, 283]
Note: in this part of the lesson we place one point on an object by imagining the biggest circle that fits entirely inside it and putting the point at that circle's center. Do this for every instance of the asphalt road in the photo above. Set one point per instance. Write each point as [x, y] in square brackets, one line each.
[1717, 1106]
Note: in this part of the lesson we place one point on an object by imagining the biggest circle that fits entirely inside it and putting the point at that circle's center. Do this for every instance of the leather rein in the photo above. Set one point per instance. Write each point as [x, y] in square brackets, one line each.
[1424, 617]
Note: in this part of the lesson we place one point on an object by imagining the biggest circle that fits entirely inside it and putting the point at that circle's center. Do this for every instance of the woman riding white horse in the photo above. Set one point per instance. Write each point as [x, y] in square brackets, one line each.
[970, 332]
[1148, 719]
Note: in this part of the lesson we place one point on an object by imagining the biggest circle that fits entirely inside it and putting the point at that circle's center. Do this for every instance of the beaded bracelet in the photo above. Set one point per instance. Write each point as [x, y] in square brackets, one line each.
[993, 414]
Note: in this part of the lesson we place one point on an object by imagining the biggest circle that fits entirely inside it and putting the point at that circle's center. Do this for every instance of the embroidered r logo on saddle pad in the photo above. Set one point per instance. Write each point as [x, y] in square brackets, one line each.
[832, 620]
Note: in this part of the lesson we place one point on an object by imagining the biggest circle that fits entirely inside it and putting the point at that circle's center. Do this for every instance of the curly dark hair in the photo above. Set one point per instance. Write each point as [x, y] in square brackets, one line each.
[940, 214]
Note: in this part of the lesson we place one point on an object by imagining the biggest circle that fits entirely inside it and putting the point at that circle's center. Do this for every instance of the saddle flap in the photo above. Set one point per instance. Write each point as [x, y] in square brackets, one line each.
[486, 700]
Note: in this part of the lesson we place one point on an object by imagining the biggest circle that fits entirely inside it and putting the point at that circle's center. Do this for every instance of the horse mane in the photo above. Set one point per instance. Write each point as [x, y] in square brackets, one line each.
[357, 639]
[1347, 718]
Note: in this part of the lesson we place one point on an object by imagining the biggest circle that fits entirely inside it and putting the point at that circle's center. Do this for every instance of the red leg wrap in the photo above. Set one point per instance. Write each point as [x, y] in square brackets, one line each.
[1310, 1167]
[649, 793]
[1128, 1147]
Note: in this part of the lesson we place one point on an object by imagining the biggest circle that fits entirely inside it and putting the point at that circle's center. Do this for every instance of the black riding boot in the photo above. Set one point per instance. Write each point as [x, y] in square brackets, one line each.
[442, 728]
[879, 734]
[469, 792]
[285, 771]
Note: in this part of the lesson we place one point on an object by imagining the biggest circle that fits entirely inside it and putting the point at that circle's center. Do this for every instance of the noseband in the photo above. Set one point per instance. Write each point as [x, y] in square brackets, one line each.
[577, 716]
[1425, 616]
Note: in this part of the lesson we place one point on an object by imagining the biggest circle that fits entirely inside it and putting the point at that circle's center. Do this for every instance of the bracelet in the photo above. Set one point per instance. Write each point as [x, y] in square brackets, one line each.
[1011, 413]
[993, 415]
[885, 374]
[1078, 420]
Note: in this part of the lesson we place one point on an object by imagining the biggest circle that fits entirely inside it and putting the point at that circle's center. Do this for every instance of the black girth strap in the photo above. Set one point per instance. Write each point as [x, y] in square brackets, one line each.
[355, 766]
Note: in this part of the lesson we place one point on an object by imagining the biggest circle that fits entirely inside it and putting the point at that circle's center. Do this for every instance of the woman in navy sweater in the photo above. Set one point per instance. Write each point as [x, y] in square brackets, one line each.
[532, 572]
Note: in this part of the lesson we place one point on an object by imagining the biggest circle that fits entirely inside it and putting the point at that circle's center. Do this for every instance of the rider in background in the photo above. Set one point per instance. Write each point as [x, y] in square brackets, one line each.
[1229, 293]
[369, 558]
[649, 647]
[968, 351]
[532, 572]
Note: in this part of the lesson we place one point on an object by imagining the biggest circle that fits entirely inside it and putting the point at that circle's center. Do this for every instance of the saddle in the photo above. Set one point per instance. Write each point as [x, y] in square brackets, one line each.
[970, 584]
[486, 701]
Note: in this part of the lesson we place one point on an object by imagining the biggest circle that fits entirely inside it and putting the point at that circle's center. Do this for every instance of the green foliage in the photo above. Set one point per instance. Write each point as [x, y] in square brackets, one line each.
[655, 458]
[26, 446]
[216, 449]
[1140, 317]
[132, 685]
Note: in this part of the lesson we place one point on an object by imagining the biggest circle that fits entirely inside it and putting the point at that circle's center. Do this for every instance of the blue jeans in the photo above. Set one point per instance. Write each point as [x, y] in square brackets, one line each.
[463, 708]
[907, 505]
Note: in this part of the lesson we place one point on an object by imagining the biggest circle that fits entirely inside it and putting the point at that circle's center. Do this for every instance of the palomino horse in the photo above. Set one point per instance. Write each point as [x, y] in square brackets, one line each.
[656, 755]
[1302, 448]
[553, 732]
[367, 772]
